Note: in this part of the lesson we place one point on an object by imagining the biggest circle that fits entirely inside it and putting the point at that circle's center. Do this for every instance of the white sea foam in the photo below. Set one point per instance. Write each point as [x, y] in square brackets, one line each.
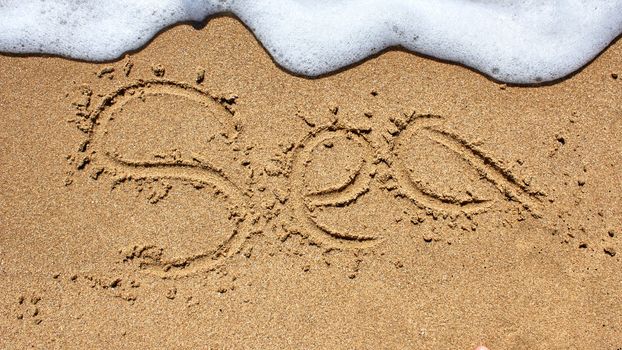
[517, 41]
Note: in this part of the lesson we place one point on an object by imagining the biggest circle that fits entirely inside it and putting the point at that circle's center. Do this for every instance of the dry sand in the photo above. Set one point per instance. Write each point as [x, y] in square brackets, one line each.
[194, 195]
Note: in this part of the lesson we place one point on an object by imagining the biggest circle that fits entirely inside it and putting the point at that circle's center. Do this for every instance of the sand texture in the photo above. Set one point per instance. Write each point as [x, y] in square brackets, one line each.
[194, 195]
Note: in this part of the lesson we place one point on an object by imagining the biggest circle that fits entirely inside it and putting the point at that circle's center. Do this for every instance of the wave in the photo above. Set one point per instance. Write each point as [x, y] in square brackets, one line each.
[514, 41]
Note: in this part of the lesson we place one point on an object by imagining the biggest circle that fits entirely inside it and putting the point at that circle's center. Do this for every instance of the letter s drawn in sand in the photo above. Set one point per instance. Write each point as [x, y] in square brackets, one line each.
[150, 259]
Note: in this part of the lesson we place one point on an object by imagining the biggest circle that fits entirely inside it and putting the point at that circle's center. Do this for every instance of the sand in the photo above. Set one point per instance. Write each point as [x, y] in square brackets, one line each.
[195, 195]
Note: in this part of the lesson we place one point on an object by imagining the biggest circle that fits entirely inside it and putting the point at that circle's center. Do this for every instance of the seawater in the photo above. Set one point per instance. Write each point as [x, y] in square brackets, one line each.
[514, 41]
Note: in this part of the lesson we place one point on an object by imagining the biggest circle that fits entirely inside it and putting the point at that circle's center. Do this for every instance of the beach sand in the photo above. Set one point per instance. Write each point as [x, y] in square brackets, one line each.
[195, 195]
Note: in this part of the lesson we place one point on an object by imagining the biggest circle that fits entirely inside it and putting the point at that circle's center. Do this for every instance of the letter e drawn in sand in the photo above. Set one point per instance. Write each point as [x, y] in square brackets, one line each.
[193, 170]
[307, 200]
